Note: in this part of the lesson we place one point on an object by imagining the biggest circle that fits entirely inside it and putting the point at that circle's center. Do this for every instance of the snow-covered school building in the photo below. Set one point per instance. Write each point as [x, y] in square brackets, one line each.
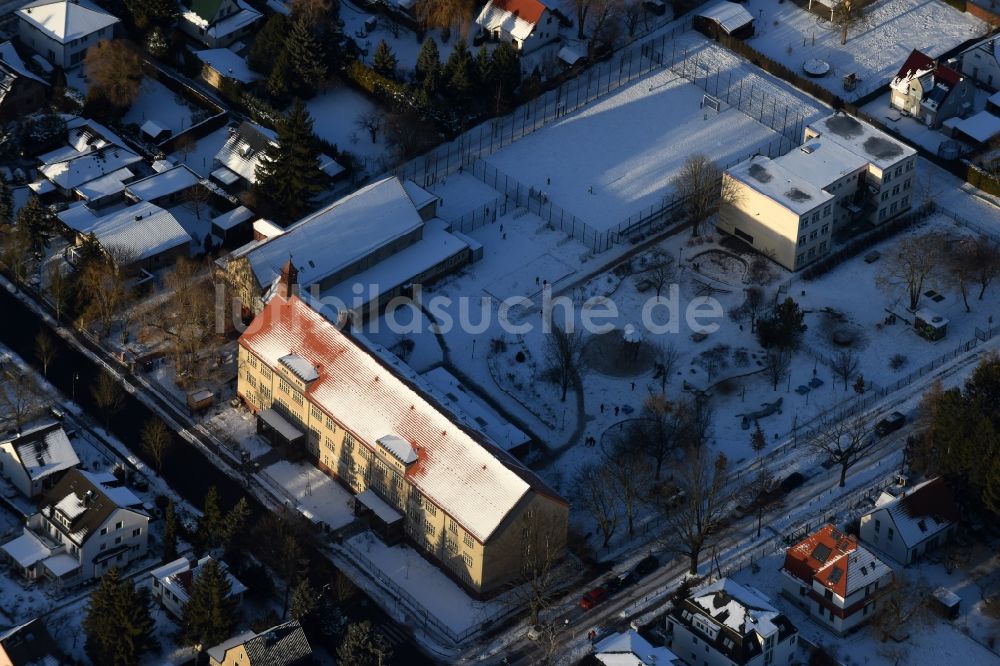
[845, 171]
[419, 470]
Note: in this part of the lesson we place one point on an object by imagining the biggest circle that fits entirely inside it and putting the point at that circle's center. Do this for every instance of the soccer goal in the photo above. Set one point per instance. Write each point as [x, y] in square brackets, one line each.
[710, 102]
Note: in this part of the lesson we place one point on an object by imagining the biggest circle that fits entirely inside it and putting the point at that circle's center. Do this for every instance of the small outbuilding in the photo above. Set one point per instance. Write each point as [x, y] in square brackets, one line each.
[728, 18]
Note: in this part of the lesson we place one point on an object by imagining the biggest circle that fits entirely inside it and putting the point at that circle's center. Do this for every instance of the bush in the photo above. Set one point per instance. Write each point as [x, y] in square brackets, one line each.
[897, 361]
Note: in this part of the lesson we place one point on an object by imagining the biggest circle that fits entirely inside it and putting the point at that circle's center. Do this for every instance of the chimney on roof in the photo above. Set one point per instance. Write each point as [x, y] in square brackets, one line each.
[289, 279]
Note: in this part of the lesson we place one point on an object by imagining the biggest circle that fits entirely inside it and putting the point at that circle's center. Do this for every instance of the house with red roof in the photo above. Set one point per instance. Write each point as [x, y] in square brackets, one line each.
[911, 522]
[929, 91]
[455, 494]
[527, 24]
[835, 580]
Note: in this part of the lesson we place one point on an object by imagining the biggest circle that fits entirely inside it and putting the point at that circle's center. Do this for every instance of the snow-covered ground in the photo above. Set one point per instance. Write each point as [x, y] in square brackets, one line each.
[620, 155]
[335, 119]
[912, 129]
[159, 104]
[792, 35]
[201, 157]
[323, 497]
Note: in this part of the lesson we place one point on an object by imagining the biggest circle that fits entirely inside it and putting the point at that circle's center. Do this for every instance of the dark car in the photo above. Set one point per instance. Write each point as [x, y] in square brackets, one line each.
[647, 565]
[891, 423]
[592, 598]
[620, 582]
[791, 482]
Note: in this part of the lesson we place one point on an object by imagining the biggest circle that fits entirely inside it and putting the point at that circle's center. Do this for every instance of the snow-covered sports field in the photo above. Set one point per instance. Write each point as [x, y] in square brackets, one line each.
[618, 156]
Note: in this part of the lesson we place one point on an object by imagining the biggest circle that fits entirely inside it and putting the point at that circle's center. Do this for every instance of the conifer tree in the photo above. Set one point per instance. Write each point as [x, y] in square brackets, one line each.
[6, 203]
[428, 60]
[758, 442]
[484, 65]
[384, 61]
[117, 624]
[362, 646]
[268, 44]
[288, 174]
[279, 81]
[305, 600]
[307, 59]
[210, 614]
[233, 525]
[460, 73]
[505, 70]
[170, 533]
[37, 221]
[210, 525]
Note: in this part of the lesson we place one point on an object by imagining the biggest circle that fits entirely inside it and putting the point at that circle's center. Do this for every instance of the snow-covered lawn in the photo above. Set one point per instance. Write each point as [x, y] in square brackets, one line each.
[335, 119]
[158, 103]
[314, 490]
[201, 157]
[409, 570]
[619, 155]
[792, 35]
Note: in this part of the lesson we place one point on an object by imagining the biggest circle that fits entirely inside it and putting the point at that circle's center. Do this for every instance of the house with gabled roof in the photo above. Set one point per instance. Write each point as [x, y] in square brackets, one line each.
[630, 649]
[911, 522]
[726, 623]
[88, 523]
[217, 23]
[463, 500]
[21, 91]
[172, 583]
[526, 24]
[61, 31]
[282, 645]
[36, 459]
[930, 91]
[981, 62]
[29, 644]
[835, 580]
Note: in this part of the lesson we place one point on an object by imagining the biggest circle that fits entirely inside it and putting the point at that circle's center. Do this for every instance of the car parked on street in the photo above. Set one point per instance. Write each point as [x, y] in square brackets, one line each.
[646, 566]
[889, 424]
[592, 598]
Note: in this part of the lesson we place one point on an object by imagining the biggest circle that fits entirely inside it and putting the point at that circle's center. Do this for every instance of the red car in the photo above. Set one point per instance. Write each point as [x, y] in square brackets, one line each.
[592, 598]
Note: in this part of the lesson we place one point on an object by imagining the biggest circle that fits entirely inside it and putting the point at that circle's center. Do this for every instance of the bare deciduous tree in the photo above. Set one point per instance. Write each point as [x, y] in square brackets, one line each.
[16, 252]
[60, 289]
[912, 266]
[46, 350]
[595, 495]
[633, 13]
[754, 493]
[629, 475]
[845, 442]
[702, 188]
[156, 440]
[976, 260]
[196, 199]
[105, 285]
[446, 15]
[542, 542]
[776, 364]
[706, 499]
[849, 14]
[185, 144]
[660, 270]
[667, 358]
[564, 362]
[904, 603]
[17, 396]
[371, 122]
[605, 24]
[665, 428]
[845, 364]
[108, 396]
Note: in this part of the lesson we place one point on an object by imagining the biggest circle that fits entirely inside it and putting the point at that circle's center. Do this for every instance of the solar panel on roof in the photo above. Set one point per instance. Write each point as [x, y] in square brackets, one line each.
[836, 575]
[821, 552]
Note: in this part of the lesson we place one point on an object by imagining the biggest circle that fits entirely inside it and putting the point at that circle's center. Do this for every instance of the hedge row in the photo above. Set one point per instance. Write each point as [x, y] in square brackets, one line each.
[855, 247]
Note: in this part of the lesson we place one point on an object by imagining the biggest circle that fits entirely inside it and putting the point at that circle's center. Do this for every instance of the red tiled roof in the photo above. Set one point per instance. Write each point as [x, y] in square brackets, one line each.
[833, 559]
[916, 62]
[946, 75]
[528, 10]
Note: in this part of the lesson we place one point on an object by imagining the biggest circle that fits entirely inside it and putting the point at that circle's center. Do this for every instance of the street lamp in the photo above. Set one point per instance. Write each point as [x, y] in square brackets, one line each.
[76, 376]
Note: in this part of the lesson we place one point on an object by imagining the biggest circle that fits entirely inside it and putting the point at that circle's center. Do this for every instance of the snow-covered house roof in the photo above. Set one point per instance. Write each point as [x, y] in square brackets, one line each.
[177, 577]
[229, 64]
[282, 645]
[105, 186]
[514, 17]
[477, 484]
[27, 550]
[771, 179]
[30, 644]
[921, 512]
[339, 234]
[821, 162]
[153, 129]
[163, 184]
[43, 451]
[631, 649]
[13, 65]
[204, 14]
[231, 218]
[874, 145]
[142, 230]
[980, 127]
[242, 150]
[835, 560]
[730, 16]
[84, 167]
[86, 500]
[66, 20]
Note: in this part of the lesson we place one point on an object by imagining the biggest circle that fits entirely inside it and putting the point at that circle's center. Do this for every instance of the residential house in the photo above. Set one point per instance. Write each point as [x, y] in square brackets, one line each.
[846, 172]
[164, 188]
[726, 623]
[62, 30]
[29, 644]
[172, 583]
[527, 24]
[465, 502]
[980, 63]
[222, 66]
[22, 92]
[282, 645]
[36, 459]
[142, 235]
[217, 23]
[236, 162]
[929, 91]
[630, 649]
[911, 522]
[383, 237]
[88, 524]
[834, 579]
